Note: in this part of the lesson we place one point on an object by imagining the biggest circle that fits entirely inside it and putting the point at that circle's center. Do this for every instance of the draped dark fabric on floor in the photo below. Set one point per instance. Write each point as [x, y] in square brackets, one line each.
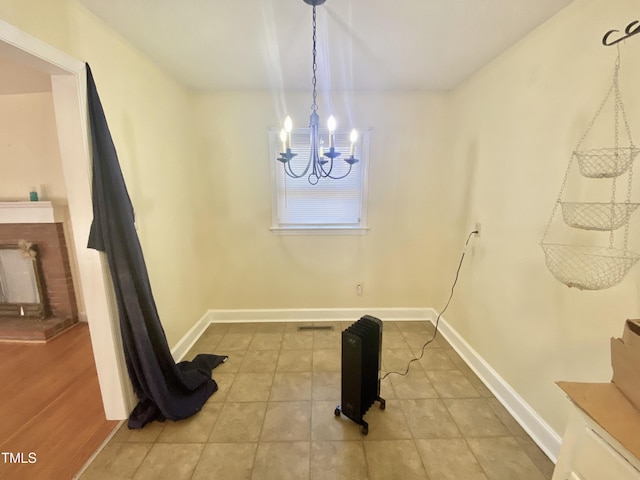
[165, 390]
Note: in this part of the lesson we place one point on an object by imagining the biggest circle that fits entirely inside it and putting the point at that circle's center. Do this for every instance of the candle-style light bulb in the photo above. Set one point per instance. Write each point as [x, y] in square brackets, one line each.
[331, 125]
[283, 139]
[354, 138]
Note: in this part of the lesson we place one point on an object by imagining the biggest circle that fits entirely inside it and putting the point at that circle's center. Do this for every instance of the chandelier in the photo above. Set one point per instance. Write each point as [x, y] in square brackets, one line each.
[320, 164]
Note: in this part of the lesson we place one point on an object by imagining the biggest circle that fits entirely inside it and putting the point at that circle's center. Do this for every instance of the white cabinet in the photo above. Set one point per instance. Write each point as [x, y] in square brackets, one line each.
[588, 452]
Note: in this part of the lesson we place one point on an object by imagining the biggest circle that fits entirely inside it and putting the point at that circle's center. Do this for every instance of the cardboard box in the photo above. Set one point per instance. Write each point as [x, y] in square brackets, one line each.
[615, 406]
[625, 360]
[609, 408]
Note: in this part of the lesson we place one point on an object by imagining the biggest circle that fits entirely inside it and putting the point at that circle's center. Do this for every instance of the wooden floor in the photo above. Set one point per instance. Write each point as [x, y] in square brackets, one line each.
[50, 406]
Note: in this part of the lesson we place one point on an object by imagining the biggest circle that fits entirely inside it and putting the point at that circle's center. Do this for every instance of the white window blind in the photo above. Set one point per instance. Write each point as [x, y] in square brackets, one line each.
[337, 204]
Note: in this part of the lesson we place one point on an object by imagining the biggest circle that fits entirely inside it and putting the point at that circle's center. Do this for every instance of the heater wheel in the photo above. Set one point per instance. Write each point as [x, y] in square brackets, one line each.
[336, 412]
[365, 429]
[383, 404]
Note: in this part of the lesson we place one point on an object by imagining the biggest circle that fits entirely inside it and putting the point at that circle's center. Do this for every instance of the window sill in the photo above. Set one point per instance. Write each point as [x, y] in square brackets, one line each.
[333, 230]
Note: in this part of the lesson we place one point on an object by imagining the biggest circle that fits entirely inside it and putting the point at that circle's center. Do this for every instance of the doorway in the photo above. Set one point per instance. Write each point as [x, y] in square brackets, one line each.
[25, 55]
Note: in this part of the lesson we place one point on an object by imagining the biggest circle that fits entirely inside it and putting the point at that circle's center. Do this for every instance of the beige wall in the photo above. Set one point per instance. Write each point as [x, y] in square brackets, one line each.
[516, 125]
[29, 154]
[251, 267]
[492, 151]
[150, 119]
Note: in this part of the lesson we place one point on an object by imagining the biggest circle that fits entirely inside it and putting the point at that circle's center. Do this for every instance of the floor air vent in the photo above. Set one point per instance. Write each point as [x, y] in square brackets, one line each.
[315, 327]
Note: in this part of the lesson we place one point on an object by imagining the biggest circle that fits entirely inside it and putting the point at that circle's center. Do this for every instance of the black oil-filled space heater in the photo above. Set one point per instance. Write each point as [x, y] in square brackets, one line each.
[361, 361]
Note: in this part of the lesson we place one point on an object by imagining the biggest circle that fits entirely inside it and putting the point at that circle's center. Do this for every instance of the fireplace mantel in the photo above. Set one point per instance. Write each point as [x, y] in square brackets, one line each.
[31, 212]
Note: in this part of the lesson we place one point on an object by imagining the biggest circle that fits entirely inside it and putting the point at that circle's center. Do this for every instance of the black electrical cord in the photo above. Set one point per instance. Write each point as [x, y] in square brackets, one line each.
[435, 333]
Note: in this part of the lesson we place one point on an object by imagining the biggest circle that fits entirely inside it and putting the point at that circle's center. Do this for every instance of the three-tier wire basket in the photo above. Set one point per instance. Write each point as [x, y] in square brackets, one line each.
[589, 266]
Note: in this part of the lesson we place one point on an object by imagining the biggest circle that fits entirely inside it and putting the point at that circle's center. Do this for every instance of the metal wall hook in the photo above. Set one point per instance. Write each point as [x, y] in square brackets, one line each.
[632, 29]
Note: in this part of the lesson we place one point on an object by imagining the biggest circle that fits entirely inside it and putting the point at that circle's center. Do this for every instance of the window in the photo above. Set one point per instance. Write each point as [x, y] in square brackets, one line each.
[330, 206]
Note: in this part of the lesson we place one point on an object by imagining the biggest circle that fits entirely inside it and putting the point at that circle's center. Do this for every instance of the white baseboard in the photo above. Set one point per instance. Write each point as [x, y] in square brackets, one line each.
[181, 348]
[541, 433]
[318, 314]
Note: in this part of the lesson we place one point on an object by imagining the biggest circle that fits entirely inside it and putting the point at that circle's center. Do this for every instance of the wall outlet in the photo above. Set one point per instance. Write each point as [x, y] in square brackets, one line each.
[478, 229]
[358, 289]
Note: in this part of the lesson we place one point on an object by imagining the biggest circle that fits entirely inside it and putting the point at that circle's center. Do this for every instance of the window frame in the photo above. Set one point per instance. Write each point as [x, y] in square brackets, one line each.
[278, 228]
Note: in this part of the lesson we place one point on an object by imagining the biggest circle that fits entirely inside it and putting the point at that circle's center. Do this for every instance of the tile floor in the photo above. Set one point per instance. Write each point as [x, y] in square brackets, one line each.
[273, 417]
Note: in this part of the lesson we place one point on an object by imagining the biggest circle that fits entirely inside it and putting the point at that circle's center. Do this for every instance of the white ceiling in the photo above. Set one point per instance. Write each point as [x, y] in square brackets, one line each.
[362, 44]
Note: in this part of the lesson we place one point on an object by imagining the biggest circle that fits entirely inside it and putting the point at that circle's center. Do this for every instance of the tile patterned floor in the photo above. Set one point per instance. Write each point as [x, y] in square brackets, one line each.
[273, 417]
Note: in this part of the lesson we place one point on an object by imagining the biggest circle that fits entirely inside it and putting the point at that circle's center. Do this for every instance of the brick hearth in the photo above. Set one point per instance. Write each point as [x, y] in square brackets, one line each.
[56, 277]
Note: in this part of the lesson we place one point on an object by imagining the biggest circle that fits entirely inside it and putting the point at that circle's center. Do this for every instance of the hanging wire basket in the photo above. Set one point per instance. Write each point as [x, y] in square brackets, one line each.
[596, 267]
[597, 216]
[588, 268]
[606, 162]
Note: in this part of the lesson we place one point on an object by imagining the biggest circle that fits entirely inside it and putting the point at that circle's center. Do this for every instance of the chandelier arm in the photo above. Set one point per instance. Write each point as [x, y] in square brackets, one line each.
[313, 178]
[327, 173]
[343, 176]
[289, 170]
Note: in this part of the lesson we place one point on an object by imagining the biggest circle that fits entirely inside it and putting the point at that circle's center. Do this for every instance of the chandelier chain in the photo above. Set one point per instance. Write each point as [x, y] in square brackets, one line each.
[321, 161]
[314, 106]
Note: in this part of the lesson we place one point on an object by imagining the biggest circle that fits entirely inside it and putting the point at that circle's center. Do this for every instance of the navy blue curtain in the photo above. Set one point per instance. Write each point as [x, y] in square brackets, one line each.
[165, 390]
